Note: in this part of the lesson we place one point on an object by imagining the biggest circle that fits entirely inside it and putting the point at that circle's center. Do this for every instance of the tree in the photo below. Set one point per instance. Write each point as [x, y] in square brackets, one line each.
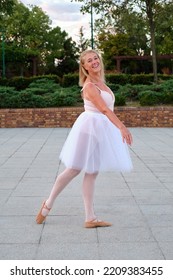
[126, 22]
[164, 29]
[68, 63]
[117, 44]
[145, 8]
[32, 45]
[61, 53]
[123, 34]
[26, 31]
[6, 7]
[83, 43]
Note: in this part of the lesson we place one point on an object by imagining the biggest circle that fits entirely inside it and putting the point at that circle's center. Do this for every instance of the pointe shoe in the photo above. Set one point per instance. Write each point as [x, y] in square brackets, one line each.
[40, 218]
[97, 223]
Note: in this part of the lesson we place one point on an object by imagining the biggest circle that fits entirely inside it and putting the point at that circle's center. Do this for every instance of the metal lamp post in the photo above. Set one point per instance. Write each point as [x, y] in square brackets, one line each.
[3, 52]
[92, 35]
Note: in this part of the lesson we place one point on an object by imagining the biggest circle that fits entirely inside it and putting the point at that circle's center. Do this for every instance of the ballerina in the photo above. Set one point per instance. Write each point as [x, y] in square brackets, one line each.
[98, 140]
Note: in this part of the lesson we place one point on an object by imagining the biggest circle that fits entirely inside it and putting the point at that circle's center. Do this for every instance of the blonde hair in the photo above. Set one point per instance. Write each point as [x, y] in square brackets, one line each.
[83, 73]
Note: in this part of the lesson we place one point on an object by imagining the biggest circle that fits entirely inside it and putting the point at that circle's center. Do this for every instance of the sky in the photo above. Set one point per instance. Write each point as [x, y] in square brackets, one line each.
[65, 14]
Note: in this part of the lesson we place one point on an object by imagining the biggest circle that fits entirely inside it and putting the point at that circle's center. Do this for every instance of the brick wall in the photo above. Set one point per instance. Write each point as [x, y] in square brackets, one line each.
[65, 117]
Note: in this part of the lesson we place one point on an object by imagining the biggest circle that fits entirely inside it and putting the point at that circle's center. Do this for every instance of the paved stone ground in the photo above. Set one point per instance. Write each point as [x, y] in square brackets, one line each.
[139, 204]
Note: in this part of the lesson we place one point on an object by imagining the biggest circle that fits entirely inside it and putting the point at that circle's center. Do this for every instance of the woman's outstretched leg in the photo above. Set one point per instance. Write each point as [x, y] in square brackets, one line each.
[61, 182]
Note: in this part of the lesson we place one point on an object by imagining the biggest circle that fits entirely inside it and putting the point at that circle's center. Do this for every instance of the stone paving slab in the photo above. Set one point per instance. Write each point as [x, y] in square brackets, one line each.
[139, 204]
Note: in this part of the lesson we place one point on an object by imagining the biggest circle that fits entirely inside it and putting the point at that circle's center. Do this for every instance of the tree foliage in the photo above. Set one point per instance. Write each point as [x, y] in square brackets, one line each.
[164, 28]
[6, 7]
[83, 43]
[144, 19]
[61, 53]
[32, 45]
[118, 45]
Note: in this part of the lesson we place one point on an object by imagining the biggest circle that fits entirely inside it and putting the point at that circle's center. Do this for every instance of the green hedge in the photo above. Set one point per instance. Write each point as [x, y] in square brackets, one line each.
[20, 83]
[157, 95]
[39, 94]
[148, 94]
[120, 100]
[135, 79]
[69, 80]
[150, 98]
[28, 100]
[46, 92]
[118, 79]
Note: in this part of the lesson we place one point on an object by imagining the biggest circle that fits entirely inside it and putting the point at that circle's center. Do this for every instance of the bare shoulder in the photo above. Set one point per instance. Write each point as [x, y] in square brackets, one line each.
[88, 85]
[90, 91]
[90, 88]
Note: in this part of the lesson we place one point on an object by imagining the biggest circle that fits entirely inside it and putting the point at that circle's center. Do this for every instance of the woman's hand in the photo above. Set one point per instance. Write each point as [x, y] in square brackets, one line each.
[126, 135]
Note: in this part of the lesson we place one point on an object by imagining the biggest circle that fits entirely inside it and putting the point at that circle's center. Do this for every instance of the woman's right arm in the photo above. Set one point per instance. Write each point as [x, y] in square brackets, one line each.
[93, 94]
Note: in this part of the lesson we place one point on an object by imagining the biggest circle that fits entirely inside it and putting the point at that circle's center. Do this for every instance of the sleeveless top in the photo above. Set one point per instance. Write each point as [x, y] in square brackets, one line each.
[109, 99]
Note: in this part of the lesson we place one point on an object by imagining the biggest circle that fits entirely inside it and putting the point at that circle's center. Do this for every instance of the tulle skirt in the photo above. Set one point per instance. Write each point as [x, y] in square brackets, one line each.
[94, 144]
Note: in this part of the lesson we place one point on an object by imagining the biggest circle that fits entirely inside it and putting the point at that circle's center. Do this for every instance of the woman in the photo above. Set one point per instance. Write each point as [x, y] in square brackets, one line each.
[97, 141]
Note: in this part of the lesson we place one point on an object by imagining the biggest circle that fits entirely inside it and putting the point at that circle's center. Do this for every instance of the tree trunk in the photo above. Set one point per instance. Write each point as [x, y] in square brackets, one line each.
[34, 61]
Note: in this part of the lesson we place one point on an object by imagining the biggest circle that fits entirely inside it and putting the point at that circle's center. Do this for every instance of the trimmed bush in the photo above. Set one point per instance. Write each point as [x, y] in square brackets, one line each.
[131, 92]
[120, 79]
[70, 80]
[168, 98]
[59, 99]
[164, 77]
[150, 98]
[46, 93]
[20, 83]
[43, 86]
[120, 100]
[167, 86]
[8, 90]
[7, 93]
[35, 91]
[142, 79]
[29, 100]
[113, 87]
[74, 91]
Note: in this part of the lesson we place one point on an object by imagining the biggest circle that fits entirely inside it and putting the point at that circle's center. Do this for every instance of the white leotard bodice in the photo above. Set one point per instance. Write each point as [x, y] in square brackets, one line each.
[109, 99]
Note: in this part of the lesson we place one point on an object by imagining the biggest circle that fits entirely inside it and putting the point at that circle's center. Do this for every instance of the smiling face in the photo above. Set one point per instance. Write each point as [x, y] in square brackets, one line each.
[92, 63]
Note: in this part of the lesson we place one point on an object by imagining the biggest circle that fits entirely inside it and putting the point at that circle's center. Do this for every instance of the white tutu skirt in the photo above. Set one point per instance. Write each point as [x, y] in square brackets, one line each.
[94, 144]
